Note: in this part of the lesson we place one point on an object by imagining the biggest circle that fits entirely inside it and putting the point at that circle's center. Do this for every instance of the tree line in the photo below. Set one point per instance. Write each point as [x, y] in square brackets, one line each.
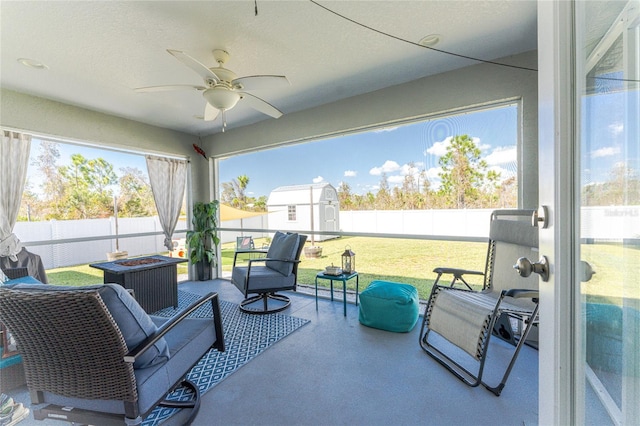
[466, 182]
[85, 188]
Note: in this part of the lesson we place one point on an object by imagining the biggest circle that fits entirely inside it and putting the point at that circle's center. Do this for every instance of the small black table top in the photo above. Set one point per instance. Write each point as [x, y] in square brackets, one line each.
[147, 262]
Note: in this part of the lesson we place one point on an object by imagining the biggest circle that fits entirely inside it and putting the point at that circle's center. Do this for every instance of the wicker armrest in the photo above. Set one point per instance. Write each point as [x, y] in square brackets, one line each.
[166, 327]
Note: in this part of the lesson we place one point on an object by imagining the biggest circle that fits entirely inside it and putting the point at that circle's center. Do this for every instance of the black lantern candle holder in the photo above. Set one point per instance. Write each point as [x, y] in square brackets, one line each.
[348, 261]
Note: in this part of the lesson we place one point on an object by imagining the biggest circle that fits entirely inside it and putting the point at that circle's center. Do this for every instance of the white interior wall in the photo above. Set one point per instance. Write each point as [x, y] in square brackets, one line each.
[472, 86]
[50, 118]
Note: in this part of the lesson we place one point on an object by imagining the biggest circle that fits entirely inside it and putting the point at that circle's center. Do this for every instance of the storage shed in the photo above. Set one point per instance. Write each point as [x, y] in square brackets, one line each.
[305, 207]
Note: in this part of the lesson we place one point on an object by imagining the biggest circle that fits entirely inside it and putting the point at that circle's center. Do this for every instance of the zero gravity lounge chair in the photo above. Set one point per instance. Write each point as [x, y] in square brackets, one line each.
[466, 318]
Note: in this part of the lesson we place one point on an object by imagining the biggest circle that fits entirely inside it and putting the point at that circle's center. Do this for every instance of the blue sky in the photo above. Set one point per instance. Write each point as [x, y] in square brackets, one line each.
[360, 159]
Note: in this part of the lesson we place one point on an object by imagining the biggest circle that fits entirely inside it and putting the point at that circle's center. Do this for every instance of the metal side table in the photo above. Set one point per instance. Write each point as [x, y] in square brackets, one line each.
[342, 277]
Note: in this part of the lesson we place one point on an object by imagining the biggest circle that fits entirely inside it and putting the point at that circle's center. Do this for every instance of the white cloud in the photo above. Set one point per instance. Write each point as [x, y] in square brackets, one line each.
[616, 128]
[439, 148]
[350, 173]
[605, 152]
[385, 129]
[434, 173]
[502, 155]
[395, 179]
[389, 166]
[318, 179]
[406, 170]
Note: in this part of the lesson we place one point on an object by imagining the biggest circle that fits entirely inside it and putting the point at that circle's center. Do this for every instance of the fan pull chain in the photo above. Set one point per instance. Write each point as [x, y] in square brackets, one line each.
[256, 3]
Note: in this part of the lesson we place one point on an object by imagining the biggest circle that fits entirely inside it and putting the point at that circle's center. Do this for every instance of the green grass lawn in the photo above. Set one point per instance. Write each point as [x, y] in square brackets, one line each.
[85, 275]
[406, 261]
[412, 262]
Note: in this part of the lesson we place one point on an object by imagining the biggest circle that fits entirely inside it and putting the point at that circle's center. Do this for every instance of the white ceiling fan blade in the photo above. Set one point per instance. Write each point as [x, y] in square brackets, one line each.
[167, 88]
[260, 105]
[210, 112]
[256, 82]
[195, 65]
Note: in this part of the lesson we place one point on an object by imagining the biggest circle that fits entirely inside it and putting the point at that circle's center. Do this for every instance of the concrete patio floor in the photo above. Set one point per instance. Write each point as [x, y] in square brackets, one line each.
[335, 371]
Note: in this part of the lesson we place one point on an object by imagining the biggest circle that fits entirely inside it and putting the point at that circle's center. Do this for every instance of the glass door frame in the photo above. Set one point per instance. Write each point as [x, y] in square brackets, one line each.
[561, 82]
[557, 136]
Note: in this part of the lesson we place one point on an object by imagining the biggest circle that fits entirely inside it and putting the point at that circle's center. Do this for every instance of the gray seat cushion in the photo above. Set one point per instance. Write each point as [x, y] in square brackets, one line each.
[262, 278]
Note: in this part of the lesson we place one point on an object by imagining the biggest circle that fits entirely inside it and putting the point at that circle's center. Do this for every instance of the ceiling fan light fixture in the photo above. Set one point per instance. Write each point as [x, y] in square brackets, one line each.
[221, 98]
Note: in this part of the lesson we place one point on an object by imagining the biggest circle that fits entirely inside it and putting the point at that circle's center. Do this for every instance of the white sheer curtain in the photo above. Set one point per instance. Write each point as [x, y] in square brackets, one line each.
[14, 159]
[168, 178]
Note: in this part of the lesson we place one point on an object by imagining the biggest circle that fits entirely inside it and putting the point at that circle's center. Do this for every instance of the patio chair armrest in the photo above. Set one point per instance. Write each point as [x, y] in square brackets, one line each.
[247, 251]
[456, 271]
[167, 326]
[266, 259]
[522, 293]
[458, 275]
[269, 259]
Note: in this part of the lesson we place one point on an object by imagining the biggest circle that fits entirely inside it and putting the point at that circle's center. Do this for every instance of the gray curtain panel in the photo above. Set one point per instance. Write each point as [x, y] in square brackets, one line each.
[168, 177]
[14, 160]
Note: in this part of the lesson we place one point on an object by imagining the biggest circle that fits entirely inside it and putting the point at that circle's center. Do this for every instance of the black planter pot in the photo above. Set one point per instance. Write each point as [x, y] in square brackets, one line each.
[203, 269]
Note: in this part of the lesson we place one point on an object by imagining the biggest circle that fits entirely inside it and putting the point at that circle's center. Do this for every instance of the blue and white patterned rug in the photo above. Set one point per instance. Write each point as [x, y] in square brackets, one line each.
[245, 337]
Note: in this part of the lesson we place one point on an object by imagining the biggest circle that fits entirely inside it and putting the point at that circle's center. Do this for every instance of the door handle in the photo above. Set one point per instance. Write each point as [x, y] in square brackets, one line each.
[525, 267]
[540, 217]
[586, 271]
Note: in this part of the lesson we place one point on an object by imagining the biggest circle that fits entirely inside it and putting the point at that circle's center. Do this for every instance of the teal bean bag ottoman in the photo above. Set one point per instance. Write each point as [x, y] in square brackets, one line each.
[389, 306]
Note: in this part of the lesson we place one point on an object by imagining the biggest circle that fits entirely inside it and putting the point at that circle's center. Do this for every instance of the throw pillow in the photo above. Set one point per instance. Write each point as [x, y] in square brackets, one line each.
[3, 277]
[283, 246]
[134, 323]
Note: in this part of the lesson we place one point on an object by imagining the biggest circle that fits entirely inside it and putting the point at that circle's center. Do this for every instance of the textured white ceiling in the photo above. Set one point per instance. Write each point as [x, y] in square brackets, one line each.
[99, 51]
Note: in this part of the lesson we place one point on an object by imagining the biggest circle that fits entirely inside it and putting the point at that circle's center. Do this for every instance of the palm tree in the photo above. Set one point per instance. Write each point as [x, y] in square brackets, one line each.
[233, 193]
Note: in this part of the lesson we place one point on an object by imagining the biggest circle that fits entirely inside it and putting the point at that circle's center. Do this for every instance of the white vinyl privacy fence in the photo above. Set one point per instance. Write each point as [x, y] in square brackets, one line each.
[95, 249]
[620, 222]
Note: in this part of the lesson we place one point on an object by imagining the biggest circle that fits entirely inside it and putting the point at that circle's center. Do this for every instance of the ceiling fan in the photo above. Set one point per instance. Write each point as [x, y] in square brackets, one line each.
[222, 88]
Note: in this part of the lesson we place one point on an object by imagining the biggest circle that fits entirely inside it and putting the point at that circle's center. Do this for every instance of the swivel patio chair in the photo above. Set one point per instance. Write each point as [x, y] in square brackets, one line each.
[93, 356]
[466, 318]
[264, 277]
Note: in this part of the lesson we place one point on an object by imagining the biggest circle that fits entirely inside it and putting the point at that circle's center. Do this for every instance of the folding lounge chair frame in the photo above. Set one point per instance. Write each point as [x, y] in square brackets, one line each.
[466, 318]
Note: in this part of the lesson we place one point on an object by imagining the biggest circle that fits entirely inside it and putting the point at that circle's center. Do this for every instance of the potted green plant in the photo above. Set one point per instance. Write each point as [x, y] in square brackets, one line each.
[203, 238]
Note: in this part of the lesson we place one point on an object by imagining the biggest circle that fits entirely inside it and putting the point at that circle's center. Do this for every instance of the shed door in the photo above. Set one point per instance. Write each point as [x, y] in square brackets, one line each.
[330, 217]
